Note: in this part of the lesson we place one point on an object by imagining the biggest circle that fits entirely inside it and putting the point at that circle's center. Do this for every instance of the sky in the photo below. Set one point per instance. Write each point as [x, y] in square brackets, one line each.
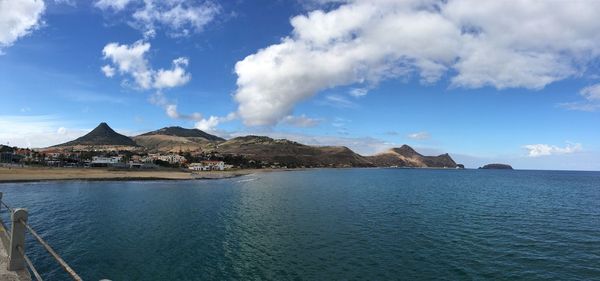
[514, 82]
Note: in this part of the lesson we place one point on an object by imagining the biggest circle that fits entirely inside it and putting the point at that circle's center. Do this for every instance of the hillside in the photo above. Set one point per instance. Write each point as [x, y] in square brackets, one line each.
[183, 132]
[252, 148]
[102, 135]
[406, 156]
[293, 154]
[175, 139]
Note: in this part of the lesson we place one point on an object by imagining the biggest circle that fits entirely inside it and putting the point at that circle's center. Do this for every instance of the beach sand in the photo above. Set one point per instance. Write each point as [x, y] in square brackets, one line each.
[29, 174]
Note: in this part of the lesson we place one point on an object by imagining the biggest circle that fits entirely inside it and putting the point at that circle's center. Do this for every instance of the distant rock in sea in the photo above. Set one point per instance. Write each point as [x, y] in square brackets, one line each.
[497, 166]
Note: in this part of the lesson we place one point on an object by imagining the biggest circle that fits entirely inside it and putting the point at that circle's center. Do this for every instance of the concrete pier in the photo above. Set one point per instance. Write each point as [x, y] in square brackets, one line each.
[5, 274]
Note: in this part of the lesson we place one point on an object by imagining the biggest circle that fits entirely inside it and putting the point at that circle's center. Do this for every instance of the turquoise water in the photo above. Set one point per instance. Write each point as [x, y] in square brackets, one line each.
[330, 224]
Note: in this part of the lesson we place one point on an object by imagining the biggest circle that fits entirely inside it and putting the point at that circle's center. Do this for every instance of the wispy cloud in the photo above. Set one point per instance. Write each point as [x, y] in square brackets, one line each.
[420, 136]
[337, 101]
[301, 121]
[37, 130]
[590, 102]
[537, 150]
[177, 17]
[358, 92]
[91, 97]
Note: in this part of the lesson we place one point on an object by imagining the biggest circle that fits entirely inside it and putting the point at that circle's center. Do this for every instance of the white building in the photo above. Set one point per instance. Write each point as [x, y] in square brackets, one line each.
[208, 165]
[106, 160]
[170, 158]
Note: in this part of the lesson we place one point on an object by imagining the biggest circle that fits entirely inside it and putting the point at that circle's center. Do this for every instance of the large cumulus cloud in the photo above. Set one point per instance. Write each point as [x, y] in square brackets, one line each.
[525, 44]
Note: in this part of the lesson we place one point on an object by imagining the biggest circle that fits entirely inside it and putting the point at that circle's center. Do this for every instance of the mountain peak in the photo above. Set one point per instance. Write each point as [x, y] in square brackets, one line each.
[406, 150]
[101, 135]
[103, 127]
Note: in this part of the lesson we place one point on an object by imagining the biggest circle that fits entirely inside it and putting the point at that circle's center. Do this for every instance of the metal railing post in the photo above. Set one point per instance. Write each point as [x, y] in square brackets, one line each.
[16, 260]
[0, 201]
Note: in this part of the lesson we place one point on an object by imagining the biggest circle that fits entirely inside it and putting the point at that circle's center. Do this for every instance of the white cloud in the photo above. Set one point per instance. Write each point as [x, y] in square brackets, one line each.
[170, 107]
[591, 93]
[62, 131]
[178, 17]
[537, 150]
[131, 60]
[210, 124]
[18, 18]
[71, 3]
[171, 110]
[174, 77]
[358, 92]
[116, 5]
[419, 136]
[362, 42]
[300, 121]
[108, 70]
[591, 102]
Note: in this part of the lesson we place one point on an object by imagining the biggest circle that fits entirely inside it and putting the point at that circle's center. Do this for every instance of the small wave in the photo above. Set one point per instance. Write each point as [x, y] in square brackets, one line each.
[247, 180]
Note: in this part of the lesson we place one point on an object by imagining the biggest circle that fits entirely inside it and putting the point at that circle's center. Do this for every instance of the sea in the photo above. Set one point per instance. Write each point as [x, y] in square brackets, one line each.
[321, 224]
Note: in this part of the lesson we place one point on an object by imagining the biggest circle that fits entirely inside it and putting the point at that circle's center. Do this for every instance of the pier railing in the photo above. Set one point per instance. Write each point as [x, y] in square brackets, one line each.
[14, 243]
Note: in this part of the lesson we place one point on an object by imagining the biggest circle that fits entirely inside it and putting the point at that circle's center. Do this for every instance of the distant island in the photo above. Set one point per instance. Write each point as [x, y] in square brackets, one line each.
[178, 147]
[497, 166]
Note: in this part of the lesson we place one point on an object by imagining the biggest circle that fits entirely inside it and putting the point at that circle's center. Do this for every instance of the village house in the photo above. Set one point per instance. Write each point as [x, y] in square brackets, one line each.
[102, 161]
[170, 158]
[207, 165]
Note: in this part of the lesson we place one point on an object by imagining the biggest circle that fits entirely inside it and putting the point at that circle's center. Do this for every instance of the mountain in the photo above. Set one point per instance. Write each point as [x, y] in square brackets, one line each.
[182, 132]
[406, 156]
[290, 153]
[103, 135]
[175, 139]
[255, 148]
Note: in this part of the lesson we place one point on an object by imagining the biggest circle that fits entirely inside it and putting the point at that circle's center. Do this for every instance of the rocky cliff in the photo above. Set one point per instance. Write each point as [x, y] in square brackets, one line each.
[406, 156]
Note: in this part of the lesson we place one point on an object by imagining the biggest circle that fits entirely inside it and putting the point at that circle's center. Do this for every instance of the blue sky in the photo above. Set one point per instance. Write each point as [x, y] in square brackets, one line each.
[440, 76]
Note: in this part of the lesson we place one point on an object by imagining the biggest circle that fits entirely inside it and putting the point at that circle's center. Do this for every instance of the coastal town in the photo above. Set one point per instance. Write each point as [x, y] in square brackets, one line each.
[56, 157]
[193, 150]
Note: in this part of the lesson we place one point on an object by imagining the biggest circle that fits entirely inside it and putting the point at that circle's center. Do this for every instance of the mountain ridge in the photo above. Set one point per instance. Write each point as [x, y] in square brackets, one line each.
[183, 132]
[406, 156]
[176, 139]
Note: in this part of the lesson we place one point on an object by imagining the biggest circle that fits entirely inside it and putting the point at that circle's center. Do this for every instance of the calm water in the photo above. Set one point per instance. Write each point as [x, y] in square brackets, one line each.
[342, 224]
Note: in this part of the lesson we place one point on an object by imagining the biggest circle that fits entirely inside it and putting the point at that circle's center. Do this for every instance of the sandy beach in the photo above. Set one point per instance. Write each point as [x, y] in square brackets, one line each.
[32, 174]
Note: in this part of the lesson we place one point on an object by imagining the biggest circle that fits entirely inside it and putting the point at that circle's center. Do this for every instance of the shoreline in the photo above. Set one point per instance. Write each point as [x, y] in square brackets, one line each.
[45, 174]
